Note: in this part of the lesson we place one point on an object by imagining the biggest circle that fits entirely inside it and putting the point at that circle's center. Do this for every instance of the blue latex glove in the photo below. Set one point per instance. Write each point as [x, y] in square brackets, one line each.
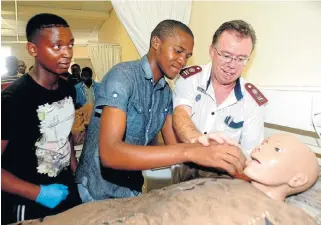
[51, 195]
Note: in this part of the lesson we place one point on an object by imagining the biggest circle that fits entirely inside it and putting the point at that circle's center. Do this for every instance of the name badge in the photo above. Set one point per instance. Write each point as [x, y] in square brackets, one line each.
[201, 89]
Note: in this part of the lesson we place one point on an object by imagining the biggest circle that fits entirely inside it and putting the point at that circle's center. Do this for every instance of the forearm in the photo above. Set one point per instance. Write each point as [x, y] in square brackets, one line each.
[73, 159]
[183, 126]
[132, 157]
[168, 133]
[14, 185]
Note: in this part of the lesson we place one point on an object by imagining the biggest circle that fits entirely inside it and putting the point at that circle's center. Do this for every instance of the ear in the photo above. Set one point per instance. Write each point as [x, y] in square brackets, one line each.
[156, 42]
[32, 49]
[298, 180]
[211, 51]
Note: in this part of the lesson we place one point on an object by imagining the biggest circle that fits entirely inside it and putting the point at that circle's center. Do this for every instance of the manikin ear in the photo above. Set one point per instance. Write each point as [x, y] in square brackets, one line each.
[298, 180]
[156, 42]
[32, 49]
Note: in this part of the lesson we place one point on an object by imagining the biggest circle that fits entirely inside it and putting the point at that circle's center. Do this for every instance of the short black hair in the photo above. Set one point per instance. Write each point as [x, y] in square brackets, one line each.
[41, 21]
[73, 65]
[87, 69]
[167, 28]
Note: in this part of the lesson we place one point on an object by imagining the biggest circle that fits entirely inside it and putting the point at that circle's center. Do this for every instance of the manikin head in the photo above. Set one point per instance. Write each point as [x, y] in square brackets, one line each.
[282, 166]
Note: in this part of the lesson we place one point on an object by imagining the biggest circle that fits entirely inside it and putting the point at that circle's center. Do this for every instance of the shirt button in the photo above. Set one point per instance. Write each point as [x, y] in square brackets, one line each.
[149, 110]
[213, 113]
[115, 95]
[205, 132]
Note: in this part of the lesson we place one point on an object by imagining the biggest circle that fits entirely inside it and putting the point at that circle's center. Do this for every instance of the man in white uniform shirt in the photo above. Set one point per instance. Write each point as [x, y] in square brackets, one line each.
[213, 101]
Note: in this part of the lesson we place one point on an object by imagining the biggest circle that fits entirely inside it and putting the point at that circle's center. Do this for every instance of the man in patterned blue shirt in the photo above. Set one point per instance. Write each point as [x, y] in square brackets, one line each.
[134, 104]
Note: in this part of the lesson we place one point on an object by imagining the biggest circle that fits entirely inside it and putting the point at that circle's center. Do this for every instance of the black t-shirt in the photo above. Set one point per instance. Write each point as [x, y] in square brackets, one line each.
[25, 124]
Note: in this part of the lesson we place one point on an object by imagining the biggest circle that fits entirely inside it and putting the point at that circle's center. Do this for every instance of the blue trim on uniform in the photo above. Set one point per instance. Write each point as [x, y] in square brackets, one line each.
[238, 90]
[235, 125]
[208, 83]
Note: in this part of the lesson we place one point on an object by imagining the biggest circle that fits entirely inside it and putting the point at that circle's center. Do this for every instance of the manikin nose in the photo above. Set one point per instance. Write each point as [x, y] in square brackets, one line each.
[258, 149]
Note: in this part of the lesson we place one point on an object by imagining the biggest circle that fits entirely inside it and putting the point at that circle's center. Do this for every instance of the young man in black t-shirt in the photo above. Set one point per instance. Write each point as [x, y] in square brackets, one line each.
[37, 114]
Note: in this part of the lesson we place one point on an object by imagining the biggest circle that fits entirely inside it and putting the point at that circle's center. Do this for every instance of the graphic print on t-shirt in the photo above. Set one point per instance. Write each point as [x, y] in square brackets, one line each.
[53, 147]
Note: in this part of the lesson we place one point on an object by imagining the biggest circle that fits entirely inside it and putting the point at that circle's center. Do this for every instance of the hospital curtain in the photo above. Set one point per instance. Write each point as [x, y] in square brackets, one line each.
[141, 17]
[103, 57]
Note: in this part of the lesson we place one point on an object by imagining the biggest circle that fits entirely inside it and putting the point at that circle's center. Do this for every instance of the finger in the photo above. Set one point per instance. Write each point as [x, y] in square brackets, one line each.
[203, 140]
[194, 140]
[227, 167]
[243, 159]
[239, 154]
[216, 137]
[247, 162]
[62, 187]
[230, 141]
[64, 194]
[233, 161]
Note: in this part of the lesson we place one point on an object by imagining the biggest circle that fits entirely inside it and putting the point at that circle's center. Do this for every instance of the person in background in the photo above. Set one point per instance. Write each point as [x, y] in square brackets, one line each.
[75, 74]
[87, 90]
[38, 160]
[133, 106]
[66, 76]
[8, 78]
[86, 93]
[21, 68]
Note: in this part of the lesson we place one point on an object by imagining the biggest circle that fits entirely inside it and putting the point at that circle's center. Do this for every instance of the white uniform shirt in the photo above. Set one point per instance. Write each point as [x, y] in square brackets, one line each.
[238, 117]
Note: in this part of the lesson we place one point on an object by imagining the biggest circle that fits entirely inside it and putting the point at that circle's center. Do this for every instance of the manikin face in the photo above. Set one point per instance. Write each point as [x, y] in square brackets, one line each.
[230, 45]
[272, 162]
[173, 53]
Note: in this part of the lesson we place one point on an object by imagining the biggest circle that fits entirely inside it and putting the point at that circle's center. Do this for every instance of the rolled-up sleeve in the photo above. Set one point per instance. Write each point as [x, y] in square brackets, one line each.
[115, 90]
[184, 91]
[170, 105]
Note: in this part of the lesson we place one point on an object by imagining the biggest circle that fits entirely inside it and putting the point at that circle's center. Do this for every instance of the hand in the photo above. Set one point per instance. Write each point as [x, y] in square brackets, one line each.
[79, 137]
[218, 137]
[223, 156]
[51, 195]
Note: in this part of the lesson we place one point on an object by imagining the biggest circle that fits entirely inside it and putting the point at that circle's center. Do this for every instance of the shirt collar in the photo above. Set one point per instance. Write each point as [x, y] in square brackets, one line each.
[148, 74]
[237, 89]
[85, 86]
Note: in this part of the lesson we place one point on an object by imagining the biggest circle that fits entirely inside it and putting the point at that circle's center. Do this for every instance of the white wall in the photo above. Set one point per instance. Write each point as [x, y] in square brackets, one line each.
[291, 106]
[288, 48]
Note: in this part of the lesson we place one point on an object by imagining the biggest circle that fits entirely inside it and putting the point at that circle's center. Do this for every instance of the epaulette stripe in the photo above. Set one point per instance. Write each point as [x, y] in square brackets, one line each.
[258, 97]
[190, 71]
